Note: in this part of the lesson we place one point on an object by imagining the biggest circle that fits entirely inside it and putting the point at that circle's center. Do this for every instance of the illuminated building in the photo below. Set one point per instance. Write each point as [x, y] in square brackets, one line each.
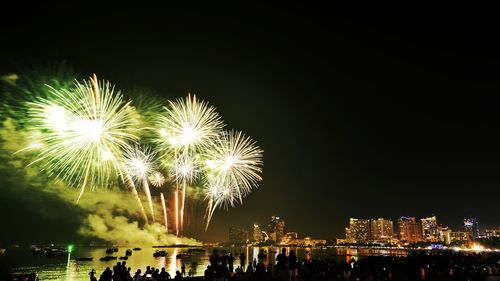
[307, 241]
[444, 234]
[410, 230]
[381, 229]
[276, 229]
[341, 241]
[348, 236]
[358, 231]
[429, 229]
[289, 236]
[471, 227]
[492, 233]
[238, 236]
[257, 235]
[459, 236]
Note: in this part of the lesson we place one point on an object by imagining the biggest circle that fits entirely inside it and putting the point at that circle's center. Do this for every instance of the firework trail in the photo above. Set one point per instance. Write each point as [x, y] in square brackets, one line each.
[164, 211]
[130, 183]
[140, 163]
[187, 126]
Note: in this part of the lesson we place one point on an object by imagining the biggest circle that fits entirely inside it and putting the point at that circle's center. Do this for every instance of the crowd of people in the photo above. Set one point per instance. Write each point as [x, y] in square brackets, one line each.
[287, 267]
[121, 272]
[416, 266]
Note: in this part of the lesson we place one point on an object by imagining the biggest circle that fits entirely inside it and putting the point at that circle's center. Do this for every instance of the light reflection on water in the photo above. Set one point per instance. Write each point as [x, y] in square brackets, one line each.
[20, 260]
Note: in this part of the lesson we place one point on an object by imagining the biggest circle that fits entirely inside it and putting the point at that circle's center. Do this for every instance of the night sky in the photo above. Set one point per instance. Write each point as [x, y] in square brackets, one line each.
[360, 113]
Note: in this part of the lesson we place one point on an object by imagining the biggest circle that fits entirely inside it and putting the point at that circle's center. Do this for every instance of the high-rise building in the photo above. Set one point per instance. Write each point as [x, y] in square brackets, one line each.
[444, 234]
[358, 231]
[276, 229]
[348, 235]
[471, 226]
[492, 233]
[257, 235]
[410, 230]
[289, 237]
[237, 235]
[429, 229]
[459, 236]
[381, 229]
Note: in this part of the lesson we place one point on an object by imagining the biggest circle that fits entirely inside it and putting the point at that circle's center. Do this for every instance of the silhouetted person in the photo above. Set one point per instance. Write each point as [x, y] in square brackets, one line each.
[178, 275]
[293, 266]
[183, 270]
[137, 276]
[92, 275]
[242, 261]
[231, 262]
[208, 274]
[165, 275]
[282, 265]
[106, 275]
[214, 259]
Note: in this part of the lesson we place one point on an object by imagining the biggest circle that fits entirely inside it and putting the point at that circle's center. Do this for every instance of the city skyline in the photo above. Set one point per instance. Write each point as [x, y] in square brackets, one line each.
[362, 230]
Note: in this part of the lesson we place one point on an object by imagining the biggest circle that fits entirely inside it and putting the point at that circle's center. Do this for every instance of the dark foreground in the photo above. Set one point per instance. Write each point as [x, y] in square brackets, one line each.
[416, 266]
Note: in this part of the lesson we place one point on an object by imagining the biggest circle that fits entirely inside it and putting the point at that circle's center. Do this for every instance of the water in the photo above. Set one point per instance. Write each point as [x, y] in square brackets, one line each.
[20, 260]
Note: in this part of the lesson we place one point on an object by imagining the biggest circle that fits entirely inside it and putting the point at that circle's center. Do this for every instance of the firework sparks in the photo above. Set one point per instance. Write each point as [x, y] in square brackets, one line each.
[188, 123]
[157, 179]
[140, 163]
[85, 130]
[234, 167]
[187, 126]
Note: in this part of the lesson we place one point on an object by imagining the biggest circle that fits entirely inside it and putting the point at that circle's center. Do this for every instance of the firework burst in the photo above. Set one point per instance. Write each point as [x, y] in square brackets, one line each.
[157, 179]
[234, 165]
[187, 126]
[140, 163]
[188, 123]
[85, 131]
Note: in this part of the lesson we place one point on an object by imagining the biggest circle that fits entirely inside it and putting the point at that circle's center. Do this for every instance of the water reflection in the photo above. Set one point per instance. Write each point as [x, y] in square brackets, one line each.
[173, 263]
[20, 260]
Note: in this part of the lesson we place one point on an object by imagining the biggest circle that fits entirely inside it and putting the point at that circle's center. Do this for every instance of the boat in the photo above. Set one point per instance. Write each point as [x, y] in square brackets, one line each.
[37, 251]
[107, 258]
[123, 258]
[160, 253]
[128, 252]
[183, 255]
[84, 259]
[111, 250]
[137, 249]
[200, 250]
[53, 252]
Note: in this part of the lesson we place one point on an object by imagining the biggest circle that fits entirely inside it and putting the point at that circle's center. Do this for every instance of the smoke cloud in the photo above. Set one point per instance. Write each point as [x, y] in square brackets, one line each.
[109, 215]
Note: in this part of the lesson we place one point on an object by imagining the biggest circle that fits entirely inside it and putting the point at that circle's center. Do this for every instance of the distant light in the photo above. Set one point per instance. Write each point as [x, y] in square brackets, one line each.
[70, 248]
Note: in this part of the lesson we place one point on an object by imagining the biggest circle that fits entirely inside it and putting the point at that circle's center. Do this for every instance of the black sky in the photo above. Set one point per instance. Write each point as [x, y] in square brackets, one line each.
[361, 113]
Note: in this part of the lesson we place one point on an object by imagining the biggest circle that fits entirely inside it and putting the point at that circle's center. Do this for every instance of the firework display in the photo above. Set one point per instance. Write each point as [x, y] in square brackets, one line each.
[87, 138]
